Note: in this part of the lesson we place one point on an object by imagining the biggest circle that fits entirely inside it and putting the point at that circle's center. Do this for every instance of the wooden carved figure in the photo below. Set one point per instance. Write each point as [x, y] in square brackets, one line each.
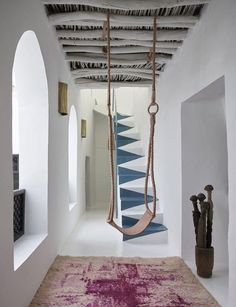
[209, 188]
[202, 221]
[196, 215]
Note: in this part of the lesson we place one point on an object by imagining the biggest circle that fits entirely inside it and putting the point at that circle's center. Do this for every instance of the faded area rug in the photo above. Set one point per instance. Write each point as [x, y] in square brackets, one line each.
[121, 282]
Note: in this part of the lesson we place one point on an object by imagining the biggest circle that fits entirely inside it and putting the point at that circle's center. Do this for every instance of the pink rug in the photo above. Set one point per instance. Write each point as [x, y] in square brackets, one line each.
[121, 282]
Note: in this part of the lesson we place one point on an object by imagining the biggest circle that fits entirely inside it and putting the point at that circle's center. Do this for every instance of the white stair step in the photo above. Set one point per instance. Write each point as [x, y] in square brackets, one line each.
[137, 183]
[127, 122]
[158, 238]
[138, 211]
[131, 133]
[133, 149]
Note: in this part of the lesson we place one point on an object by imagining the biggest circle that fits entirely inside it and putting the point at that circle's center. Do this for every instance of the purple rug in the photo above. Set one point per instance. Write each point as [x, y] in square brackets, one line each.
[121, 282]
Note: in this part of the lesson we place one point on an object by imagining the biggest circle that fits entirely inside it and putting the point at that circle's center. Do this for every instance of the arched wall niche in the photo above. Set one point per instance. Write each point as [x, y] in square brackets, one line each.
[205, 161]
[30, 137]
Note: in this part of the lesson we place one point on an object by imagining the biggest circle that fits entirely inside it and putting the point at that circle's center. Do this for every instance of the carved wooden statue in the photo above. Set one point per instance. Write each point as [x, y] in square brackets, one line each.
[196, 215]
[202, 221]
[209, 188]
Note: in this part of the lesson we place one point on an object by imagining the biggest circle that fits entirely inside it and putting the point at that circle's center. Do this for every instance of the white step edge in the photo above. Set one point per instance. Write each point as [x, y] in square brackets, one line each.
[158, 238]
[131, 133]
[138, 211]
[127, 122]
[130, 164]
[135, 136]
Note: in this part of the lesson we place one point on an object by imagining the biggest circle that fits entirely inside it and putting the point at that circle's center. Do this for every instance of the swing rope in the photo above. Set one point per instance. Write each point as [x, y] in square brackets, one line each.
[153, 108]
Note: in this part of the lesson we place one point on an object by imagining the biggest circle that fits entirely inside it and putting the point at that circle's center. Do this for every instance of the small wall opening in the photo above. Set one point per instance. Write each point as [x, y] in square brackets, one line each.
[72, 158]
[30, 141]
[205, 161]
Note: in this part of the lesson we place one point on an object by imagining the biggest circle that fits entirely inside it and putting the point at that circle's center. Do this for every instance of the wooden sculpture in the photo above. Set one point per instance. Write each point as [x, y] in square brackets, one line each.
[201, 242]
[202, 220]
[196, 214]
[209, 188]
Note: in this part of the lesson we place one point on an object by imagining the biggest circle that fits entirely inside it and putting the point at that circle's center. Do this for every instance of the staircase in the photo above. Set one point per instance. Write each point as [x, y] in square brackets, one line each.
[131, 171]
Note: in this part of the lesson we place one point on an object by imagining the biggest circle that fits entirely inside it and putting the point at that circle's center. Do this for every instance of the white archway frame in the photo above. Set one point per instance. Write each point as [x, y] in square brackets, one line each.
[31, 98]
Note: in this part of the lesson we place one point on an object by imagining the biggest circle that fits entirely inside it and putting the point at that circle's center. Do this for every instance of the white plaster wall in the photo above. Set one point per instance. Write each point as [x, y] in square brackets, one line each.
[86, 102]
[16, 18]
[72, 155]
[95, 148]
[124, 97]
[207, 54]
[141, 101]
[130, 101]
[15, 120]
[101, 157]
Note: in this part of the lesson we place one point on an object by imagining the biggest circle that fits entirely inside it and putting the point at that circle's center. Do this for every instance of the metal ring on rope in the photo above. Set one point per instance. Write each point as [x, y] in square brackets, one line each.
[154, 106]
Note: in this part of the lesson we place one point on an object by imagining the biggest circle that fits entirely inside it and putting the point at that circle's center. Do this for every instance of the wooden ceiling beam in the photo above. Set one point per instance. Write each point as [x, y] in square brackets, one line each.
[97, 23]
[97, 19]
[133, 74]
[163, 35]
[124, 59]
[117, 43]
[88, 83]
[137, 72]
[129, 5]
[117, 50]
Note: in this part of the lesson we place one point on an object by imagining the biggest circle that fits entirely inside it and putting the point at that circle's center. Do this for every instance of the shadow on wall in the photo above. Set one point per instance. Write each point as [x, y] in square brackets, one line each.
[205, 161]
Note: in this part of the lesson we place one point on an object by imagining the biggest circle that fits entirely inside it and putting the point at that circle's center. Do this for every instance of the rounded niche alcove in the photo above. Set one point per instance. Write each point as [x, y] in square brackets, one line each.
[30, 142]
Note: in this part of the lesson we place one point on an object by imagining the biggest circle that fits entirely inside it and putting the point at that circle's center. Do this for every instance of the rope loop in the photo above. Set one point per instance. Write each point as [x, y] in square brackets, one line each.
[153, 108]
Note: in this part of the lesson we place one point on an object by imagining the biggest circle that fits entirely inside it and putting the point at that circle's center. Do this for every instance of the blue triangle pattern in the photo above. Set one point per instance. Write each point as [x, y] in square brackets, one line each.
[124, 194]
[120, 116]
[127, 178]
[130, 199]
[121, 128]
[152, 227]
[124, 140]
[127, 171]
[125, 156]
[126, 175]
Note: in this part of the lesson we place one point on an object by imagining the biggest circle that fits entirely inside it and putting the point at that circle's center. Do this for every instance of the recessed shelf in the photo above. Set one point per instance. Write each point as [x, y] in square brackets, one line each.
[25, 246]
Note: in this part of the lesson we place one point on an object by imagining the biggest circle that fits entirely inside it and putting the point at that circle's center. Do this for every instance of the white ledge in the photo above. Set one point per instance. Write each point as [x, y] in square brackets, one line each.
[25, 246]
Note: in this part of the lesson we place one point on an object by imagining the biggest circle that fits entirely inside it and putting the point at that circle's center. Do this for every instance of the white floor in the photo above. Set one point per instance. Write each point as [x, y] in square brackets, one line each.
[94, 237]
